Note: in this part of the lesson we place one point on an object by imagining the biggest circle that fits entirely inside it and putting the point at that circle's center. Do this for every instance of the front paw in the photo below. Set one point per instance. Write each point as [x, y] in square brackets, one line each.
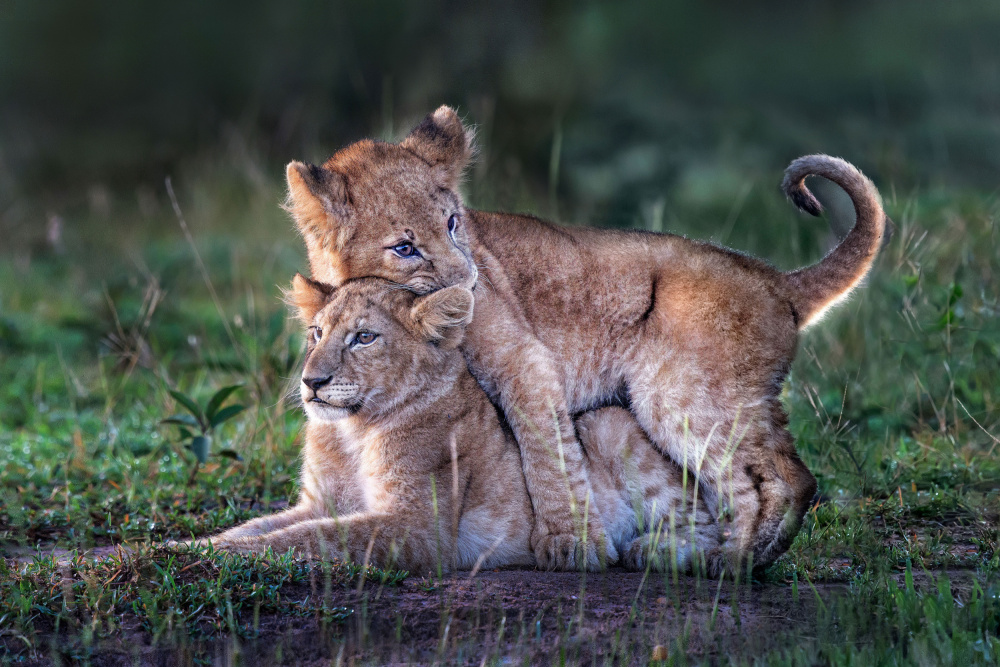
[567, 550]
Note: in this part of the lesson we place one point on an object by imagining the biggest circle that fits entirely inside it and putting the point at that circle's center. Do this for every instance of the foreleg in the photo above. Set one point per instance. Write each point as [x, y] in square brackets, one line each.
[380, 539]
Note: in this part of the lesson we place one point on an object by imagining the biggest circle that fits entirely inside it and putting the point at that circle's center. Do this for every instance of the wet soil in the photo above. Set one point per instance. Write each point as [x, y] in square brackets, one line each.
[522, 616]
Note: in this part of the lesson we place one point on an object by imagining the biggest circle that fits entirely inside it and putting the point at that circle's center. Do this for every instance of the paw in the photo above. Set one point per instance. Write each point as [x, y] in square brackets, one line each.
[642, 552]
[663, 556]
[555, 552]
[567, 551]
[760, 527]
[634, 555]
[742, 551]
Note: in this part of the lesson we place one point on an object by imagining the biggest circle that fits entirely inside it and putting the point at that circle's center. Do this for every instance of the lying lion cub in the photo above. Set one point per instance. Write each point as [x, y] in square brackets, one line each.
[696, 339]
[406, 463]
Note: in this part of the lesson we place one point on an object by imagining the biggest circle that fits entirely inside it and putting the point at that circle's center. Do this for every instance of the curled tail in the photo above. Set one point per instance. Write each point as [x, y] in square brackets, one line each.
[816, 288]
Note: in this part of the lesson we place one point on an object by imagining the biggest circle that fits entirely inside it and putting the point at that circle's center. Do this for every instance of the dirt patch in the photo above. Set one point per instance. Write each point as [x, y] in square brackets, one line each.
[520, 615]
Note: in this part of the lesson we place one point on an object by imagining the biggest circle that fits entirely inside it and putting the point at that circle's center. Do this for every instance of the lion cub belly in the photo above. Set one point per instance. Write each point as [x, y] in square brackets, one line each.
[495, 536]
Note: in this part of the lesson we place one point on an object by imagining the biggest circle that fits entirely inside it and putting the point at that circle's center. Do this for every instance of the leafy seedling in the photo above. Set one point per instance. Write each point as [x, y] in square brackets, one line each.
[197, 426]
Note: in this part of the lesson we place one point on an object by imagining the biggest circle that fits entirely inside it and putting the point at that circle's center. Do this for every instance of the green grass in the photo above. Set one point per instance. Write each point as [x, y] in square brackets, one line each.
[183, 597]
[894, 400]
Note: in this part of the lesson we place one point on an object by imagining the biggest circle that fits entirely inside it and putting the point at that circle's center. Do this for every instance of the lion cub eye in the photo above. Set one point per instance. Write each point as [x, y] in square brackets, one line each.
[452, 224]
[317, 334]
[406, 250]
[363, 338]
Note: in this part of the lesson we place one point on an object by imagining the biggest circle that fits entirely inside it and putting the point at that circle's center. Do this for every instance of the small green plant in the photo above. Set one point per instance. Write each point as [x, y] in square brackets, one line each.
[197, 426]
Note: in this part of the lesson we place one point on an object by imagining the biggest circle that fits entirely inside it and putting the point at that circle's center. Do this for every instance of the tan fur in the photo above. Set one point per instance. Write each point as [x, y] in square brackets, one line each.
[695, 338]
[406, 463]
[817, 288]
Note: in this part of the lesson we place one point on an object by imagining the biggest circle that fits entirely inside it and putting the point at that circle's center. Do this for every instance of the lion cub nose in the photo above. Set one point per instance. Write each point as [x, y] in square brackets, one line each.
[316, 383]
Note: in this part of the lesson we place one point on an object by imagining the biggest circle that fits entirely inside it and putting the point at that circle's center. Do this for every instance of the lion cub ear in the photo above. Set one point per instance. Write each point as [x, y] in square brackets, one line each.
[307, 297]
[315, 194]
[444, 143]
[441, 316]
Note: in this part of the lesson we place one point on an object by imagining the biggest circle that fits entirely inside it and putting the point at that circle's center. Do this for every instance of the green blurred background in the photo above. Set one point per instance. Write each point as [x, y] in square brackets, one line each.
[675, 99]
[675, 115]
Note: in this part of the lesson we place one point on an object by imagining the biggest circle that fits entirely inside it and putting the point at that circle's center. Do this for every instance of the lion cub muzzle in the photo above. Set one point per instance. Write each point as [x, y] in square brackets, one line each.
[329, 399]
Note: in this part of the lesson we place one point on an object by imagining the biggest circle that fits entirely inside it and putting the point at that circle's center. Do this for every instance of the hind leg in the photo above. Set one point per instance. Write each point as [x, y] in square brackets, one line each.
[679, 534]
[744, 459]
[649, 506]
[766, 489]
[704, 380]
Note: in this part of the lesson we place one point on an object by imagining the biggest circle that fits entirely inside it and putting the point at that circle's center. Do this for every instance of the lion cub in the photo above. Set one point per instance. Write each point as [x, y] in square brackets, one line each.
[406, 463]
[696, 339]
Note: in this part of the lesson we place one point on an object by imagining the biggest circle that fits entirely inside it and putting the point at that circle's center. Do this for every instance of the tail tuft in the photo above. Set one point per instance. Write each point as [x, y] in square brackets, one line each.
[794, 187]
[814, 289]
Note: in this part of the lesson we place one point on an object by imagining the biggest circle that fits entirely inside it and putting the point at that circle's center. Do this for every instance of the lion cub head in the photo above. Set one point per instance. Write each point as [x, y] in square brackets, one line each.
[390, 211]
[374, 347]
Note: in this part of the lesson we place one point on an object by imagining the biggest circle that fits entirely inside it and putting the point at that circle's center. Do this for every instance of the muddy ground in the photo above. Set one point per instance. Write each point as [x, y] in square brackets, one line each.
[500, 617]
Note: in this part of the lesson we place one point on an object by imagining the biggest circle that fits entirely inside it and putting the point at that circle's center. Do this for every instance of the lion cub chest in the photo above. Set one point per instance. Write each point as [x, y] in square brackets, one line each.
[345, 470]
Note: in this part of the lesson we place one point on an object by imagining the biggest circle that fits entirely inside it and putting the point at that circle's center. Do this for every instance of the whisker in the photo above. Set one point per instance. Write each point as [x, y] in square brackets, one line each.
[484, 276]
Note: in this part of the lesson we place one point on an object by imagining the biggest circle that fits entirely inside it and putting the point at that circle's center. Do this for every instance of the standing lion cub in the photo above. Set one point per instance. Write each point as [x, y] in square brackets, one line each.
[406, 463]
[696, 339]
